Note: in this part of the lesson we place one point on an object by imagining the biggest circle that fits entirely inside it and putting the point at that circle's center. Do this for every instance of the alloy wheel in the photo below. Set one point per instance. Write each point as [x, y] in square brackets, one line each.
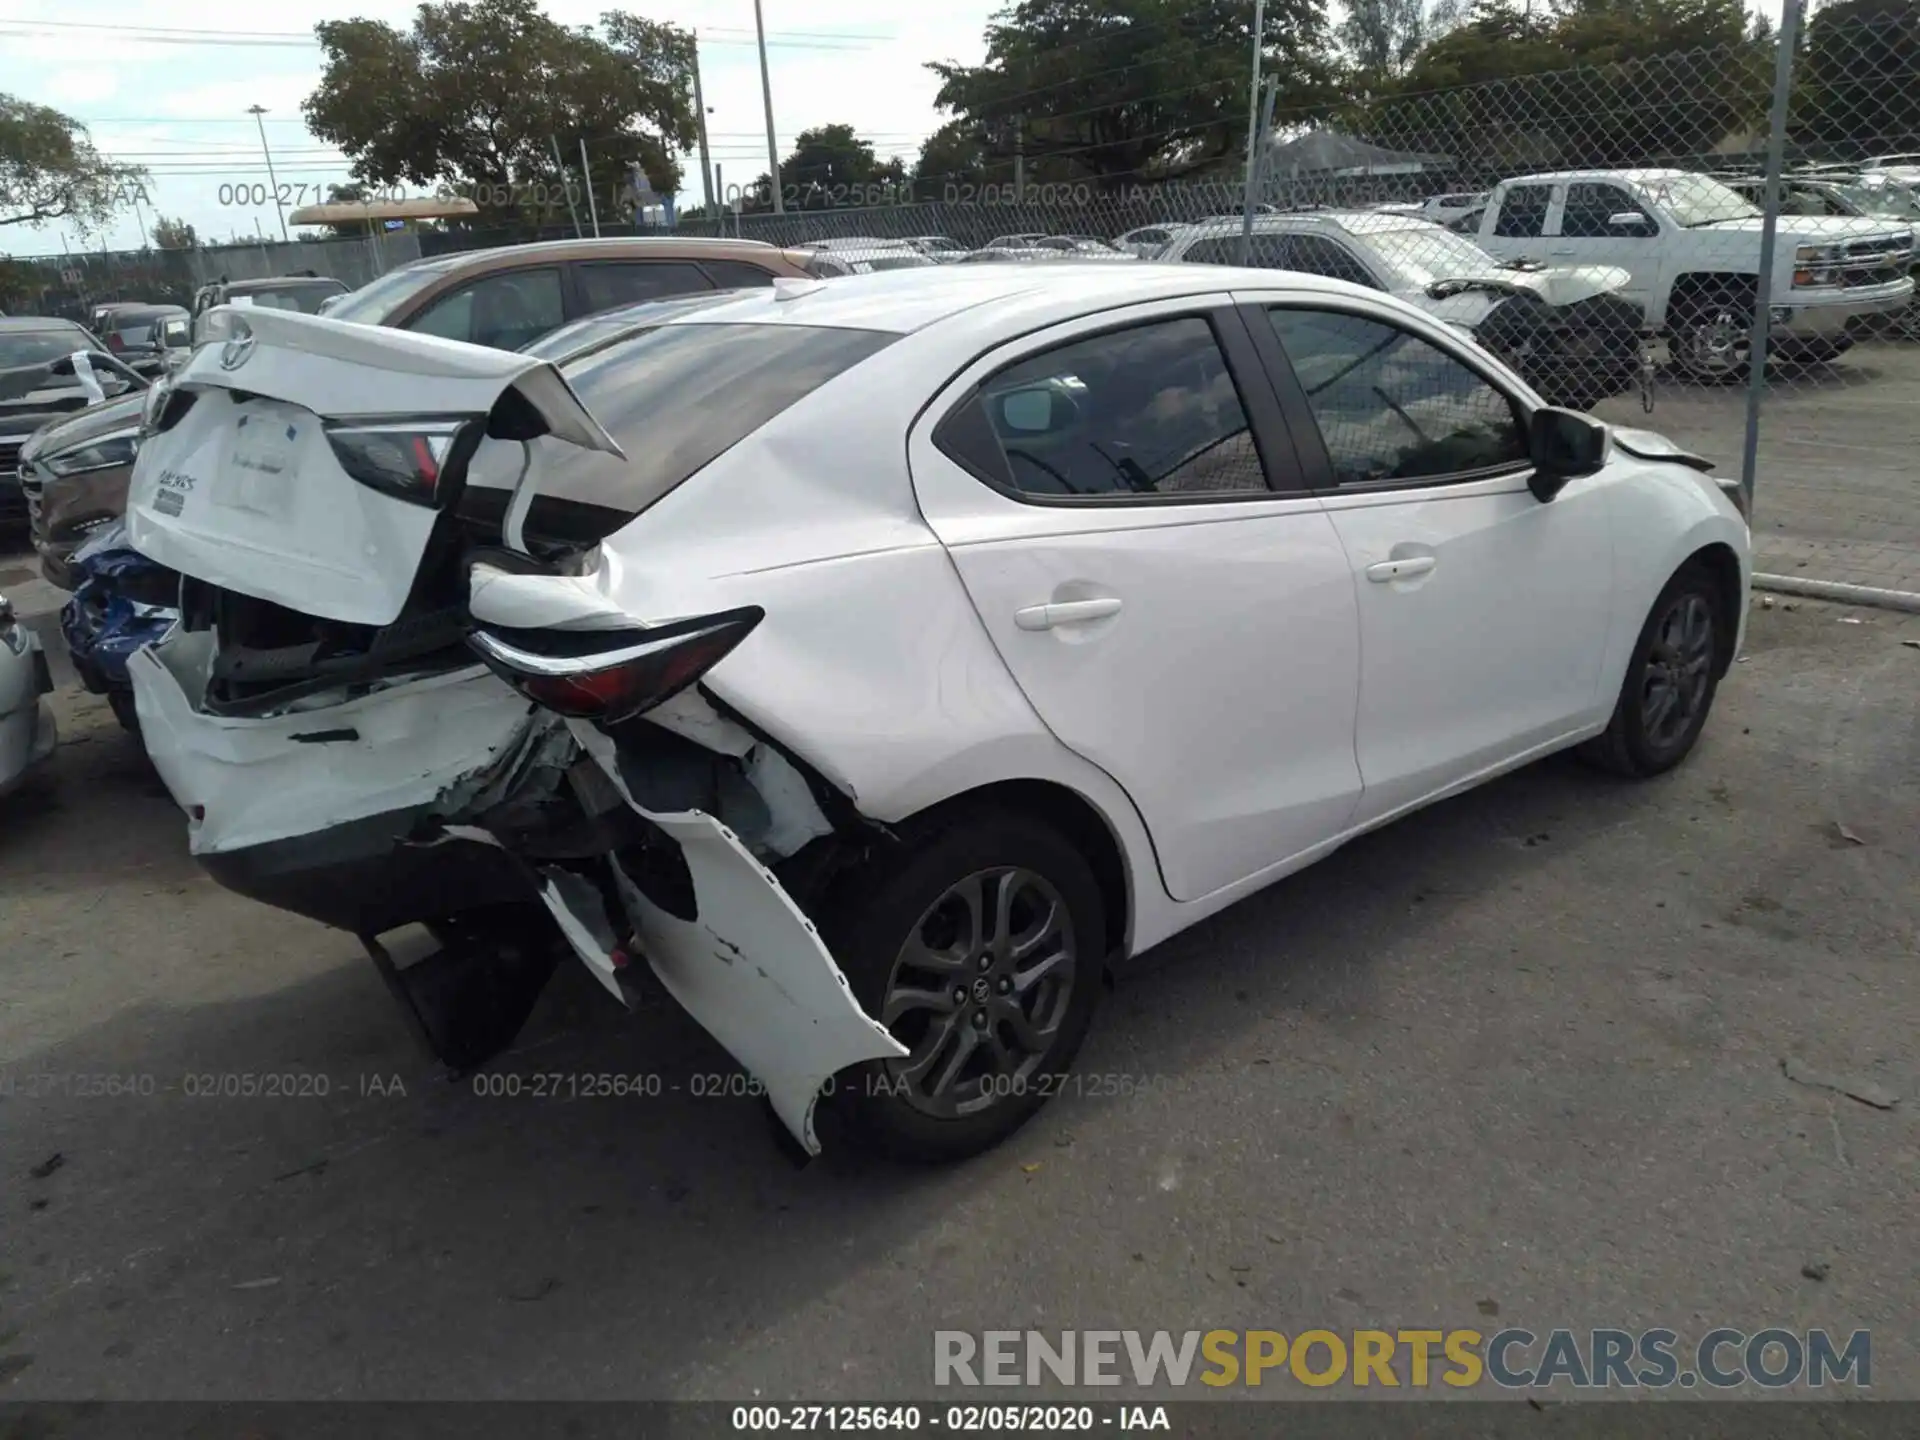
[1678, 671]
[978, 992]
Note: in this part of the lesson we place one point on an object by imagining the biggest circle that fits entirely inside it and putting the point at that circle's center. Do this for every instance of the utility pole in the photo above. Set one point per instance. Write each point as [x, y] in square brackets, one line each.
[700, 119]
[561, 170]
[1253, 128]
[1020, 163]
[257, 111]
[586, 177]
[766, 96]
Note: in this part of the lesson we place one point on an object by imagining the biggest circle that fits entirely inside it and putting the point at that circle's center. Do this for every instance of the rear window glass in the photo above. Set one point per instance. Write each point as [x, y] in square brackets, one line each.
[304, 298]
[679, 396]
[36, 347]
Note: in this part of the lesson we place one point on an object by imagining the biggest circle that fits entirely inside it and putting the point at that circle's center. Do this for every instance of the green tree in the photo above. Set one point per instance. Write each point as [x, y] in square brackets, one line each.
[171, 234]
[958, 154]
[1857, 90]
[1595, 82]
[1381, 37]
[1121, 90]
[830, 165]
[49, 170]
[477, 96]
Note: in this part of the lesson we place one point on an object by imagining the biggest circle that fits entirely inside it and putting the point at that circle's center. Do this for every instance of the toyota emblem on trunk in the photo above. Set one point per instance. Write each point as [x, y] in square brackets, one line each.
[234, 353]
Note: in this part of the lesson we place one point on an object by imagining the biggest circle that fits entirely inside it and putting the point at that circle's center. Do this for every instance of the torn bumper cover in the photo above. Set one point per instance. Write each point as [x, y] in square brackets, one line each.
[749, 965]
[311, 811]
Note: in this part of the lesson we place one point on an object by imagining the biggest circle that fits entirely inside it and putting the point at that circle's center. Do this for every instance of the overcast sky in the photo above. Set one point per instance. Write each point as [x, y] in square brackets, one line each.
[177, 103]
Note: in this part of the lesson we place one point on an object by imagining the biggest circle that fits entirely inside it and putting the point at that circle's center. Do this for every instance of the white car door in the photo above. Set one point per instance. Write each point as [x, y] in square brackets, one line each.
[1120, 499]
[1583, 233]
[1484, 612]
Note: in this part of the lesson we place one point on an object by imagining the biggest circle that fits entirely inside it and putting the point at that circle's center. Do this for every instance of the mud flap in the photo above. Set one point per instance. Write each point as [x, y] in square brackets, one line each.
[751, 968]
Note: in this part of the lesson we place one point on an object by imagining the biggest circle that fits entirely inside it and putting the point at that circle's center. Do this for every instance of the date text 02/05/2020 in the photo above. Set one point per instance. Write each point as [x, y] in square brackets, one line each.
[737, 1085]
[960, 1419]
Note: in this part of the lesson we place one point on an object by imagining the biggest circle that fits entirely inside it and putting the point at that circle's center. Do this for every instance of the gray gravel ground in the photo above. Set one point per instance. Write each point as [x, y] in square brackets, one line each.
[1520, 1056]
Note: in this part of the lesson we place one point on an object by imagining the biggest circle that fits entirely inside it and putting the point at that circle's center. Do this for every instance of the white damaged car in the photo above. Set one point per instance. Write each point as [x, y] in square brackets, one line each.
[878, 662]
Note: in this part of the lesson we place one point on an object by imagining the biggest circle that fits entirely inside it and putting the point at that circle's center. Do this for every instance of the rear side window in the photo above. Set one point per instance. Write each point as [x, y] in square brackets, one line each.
[1523, 212]
[736, 274]
[605, 285]
[1145, 412]
[678, 397]
[504, 310]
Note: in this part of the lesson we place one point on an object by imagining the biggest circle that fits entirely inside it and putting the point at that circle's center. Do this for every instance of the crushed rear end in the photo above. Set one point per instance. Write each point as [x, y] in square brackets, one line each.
[343, 750]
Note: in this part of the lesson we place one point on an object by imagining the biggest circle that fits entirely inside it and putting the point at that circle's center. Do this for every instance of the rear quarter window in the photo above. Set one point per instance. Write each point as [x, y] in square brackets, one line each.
[675, 398]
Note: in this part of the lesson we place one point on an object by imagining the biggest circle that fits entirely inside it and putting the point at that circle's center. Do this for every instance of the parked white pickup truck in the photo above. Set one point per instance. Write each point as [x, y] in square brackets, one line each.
[1692, 247]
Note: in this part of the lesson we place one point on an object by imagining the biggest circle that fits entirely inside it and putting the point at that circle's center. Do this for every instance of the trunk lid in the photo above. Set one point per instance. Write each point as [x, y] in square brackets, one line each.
[240, 485]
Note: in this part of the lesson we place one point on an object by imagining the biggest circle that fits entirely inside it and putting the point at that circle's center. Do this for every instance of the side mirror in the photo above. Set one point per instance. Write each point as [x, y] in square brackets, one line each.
[1631, 222]
[1032, 411]
[1563, 445]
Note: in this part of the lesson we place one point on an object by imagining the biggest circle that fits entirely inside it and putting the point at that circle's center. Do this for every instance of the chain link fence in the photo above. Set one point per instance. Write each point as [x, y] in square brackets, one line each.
[71, 284]
[1602, 228]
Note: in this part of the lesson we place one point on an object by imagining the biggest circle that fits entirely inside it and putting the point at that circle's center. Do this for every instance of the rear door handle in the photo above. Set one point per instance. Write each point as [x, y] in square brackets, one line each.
[1065, 612]
[1400, 569]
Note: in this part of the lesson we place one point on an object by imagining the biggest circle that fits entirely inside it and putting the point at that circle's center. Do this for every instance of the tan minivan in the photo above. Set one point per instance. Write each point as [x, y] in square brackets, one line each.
[510, 297]
[75, 472]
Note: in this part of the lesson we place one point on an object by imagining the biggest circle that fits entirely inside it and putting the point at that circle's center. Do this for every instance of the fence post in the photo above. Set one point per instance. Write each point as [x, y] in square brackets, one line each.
[1253, 128]
[1769, 235]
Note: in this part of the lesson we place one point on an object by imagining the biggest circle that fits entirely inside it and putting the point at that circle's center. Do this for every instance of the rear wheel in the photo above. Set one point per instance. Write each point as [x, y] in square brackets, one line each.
[1672, 677]
[979, 944]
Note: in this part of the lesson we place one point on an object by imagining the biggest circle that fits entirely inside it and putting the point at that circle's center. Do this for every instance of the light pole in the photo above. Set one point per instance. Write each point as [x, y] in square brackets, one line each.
[257, 111]
[700, 119]
[766, 96]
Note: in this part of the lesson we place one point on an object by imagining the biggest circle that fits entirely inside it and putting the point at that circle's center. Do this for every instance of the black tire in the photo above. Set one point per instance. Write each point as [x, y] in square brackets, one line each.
[1710, 339]
[908, 890]
[1642, 739]
[121, 703]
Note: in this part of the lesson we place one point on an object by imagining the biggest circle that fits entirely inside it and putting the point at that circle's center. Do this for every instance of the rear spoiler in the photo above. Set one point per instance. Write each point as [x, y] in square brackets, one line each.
[341, 370]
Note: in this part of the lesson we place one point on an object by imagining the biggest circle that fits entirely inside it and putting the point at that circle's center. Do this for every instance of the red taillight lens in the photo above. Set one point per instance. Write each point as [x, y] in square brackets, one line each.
[630, 672]
[115, 343]
[407, 459]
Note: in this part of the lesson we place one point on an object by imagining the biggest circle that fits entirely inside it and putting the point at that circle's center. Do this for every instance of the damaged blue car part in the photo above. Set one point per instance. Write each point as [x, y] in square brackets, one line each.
[122, 601]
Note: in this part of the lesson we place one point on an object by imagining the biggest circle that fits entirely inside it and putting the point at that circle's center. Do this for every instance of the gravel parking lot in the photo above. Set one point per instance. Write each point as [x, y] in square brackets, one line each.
[1520, 1056]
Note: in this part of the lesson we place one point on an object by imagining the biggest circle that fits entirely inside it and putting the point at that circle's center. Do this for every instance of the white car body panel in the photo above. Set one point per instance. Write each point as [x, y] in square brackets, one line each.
[277, 518]
[1433, 709]
[256, 782]
[28, 733]
[1194, 745]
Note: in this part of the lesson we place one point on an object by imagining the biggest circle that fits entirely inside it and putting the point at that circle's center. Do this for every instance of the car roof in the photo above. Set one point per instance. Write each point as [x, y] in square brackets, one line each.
[1639, 176]
[904, 301]
[28, 324]
[1359, 222]
[273, 282]
[124, 312]
[618, 247]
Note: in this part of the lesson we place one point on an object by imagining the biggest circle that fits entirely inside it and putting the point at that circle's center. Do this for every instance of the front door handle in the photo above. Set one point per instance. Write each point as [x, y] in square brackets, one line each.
[1400, 569]
[1065, 612]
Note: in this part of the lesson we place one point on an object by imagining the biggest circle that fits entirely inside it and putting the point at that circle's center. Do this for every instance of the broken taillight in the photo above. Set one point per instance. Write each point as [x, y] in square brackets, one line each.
[612, 676]
[407, 459]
